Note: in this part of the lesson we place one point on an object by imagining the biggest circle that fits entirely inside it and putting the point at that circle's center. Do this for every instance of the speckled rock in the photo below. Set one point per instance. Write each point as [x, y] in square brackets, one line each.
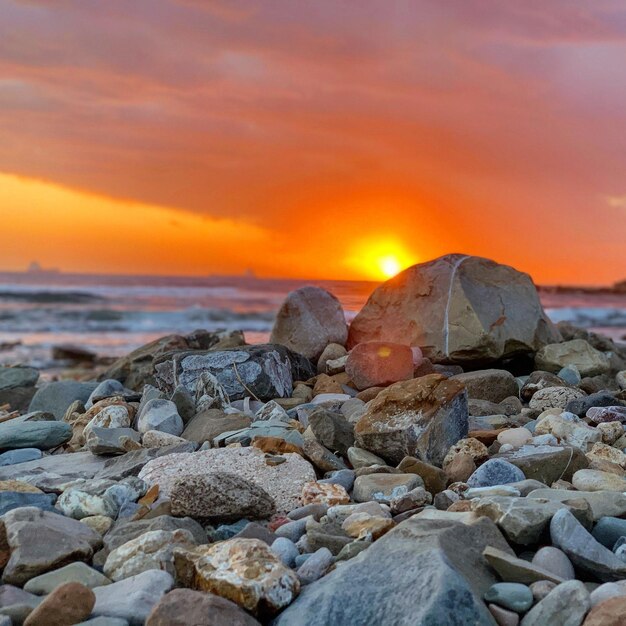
[152, 550]
[244, 571]
[554, 398]
[324, 493]
[283, 482]
[220, 496]
[495, 472]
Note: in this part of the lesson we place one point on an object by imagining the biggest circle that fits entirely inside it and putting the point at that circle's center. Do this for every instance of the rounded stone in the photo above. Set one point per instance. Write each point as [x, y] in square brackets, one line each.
[513, 596]
[554, 398]
[495, 472]
[70, 603]
[515, 437]
[555, 561]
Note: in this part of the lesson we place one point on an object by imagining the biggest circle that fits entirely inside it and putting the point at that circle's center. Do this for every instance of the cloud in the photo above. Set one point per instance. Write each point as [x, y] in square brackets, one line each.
[616, 201]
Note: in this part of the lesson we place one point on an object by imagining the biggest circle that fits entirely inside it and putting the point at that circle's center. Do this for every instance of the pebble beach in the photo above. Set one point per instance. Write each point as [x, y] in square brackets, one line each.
[444, 454]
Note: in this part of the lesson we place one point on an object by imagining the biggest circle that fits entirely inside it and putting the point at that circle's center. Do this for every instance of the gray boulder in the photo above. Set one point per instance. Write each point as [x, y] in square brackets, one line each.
[56, 397]
[421, 572]
[266, 371]
[14, 377]
[161, 415]
[308, 320]
[457, 308]
[495, 472]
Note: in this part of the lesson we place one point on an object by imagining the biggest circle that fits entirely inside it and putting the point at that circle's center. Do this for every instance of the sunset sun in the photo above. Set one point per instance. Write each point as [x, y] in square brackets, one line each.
[389, 266]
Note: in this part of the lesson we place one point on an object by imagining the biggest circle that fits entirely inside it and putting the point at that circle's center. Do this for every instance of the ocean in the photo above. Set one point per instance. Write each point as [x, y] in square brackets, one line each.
[112, 315]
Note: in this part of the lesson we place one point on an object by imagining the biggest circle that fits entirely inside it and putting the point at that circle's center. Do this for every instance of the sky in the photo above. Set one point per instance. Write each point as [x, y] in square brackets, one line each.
[322, 139]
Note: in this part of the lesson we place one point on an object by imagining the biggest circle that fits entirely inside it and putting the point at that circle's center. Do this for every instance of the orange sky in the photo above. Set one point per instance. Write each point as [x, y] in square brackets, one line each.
[325, 139]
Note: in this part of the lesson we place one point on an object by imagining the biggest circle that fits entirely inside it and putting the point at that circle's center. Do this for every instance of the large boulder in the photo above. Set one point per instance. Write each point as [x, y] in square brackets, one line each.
[457, 309]
[308, 320]
[266, 371]
[136, 369]
[421, 572]
[421, 417]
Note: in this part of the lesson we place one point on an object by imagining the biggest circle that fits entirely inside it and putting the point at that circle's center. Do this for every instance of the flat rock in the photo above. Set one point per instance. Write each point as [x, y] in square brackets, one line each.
[112, 441]
[492, 385]
[379, 363]
[384, 487]
[10, 500]
[283, 482]
[601, 503]
[186, 607]
[421, 572]
[133, 598]
[422, 417]
[39, 434]
[14, 377]
[566, 605]
[13, 457]
[40, 541]
[209, 424]
[515, 570]
[583, 550]
[74, 572]
[576, 352]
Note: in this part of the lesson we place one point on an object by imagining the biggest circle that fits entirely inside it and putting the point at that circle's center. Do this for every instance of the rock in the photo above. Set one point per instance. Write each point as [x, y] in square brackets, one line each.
[321, 493]
[595, 480]
[362, 525]
[244, 571]
[495, 472]
[315, 566]
[185, 607]
[150, 551]
[112, 441]
[502, 616]
[159, 439]
[513, 596]
[470, 446]
[541, 589]
[594, 403]
[15, 605]
[608, 613]
[56, 397]
[74, 572]
[133, 598]
[546, 464]
[422, 417]
[362, 458]
[220, 496]
[209, 424]
[70, 603]
[384, 487]
[124, 532]
[492, 385]
[282, 482]
[434, 478]
[40, 434]
[446, 308]
[608, 530]
[40, 541]
[539, 380]
[309, 319]
[522, 520]
[268, 371]
[100, 523]
[378, 364]
[107, 389]
[583, 550]
[512, 569]
[285, 549]
[554, 398]
[413, 499]
[460, 468]
[516, 437]
[421, 572]
[10, 500]
[77, 504]
[13, 457]
[611, 431]
[601, 503]
[577, 352]
[161, 415]
[566, 605]
[15, 377]
[111, 416]
[555, 561]
[332, 430]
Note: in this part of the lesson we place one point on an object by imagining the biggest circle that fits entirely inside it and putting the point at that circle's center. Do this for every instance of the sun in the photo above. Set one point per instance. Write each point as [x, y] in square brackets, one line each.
[389, 266]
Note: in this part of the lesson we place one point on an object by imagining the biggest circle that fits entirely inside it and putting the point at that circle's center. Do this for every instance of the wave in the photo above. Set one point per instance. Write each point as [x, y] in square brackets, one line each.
[49, 297]
[588, 317]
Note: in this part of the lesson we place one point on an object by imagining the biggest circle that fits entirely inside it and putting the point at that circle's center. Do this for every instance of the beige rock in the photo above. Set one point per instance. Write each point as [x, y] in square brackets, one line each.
[360, 525]
[611, 431]
[159, 439]
[100, 523]
[332, 353]
[152, 550]
[112, 416]
[574, 432]
[422, 417]
[594, 480]
[244, 571]
[446, 307]
[474, 448]
[324, 493]
[577, 352]
[283, 482]
[19, 486]
[515, 437]
[554, 398]
[379, 363]
[604, 452]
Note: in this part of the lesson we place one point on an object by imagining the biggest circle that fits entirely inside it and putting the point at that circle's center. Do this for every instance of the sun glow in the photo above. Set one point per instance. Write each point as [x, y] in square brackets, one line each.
[380, 259]
[389, 265]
